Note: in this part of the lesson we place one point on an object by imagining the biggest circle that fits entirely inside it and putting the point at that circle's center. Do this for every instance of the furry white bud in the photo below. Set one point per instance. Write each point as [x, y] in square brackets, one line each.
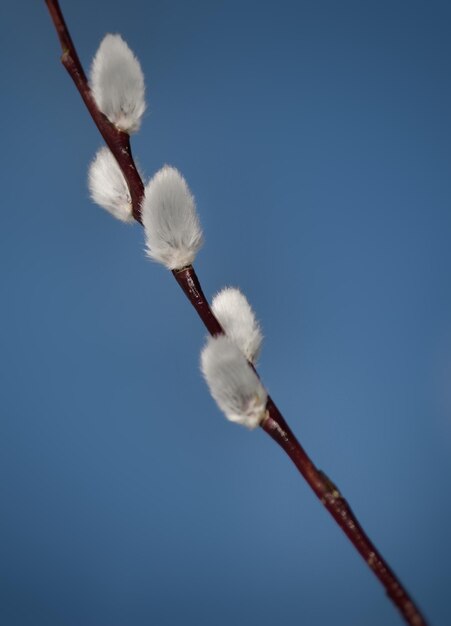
[232, 382]
[117, 83]
[108, 187]
[237, 318]
[173, 232]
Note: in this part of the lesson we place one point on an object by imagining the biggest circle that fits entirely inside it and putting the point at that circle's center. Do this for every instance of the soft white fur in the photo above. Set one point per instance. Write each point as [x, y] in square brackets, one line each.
[173, 232]
[117, 83]
[237, 318]
[232, 382]
[107, 186]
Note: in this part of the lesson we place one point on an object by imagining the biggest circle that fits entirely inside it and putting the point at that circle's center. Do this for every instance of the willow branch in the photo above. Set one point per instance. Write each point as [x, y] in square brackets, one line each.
[335, 503]
[116, 140]
[274, 424]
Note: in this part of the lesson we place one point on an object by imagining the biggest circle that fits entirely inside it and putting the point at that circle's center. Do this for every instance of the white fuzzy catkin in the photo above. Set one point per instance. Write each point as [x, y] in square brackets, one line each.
[108, 187]
[237, 318]
[173, 232]
[117, 83]
[232, 382]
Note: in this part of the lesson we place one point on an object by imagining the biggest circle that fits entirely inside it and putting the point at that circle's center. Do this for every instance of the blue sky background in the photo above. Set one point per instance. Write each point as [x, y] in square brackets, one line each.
[316, 138]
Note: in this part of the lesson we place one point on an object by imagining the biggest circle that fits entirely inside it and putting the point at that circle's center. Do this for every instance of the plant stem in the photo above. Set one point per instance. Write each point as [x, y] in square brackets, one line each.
[274, 424]
[188, 281]
[116, 140]
[277, 428]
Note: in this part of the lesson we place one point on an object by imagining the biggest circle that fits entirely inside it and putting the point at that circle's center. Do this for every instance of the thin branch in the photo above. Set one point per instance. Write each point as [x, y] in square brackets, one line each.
[188, 281]
[274, 424]
[116, 140]
[332, 499]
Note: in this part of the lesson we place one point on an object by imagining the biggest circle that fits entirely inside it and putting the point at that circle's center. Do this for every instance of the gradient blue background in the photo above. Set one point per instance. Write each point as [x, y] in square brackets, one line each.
[316, 137]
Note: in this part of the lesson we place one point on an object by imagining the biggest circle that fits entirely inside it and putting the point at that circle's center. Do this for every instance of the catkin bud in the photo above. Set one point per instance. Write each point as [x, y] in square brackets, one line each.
[173, 232]
[108, 187]
[234, 313]
[117, 84]
[232, 382]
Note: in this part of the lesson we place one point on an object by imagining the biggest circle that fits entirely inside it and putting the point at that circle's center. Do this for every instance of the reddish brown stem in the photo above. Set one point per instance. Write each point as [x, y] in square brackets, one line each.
[277, 428]
[188, 281]
[117, 141]
[274, 424]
